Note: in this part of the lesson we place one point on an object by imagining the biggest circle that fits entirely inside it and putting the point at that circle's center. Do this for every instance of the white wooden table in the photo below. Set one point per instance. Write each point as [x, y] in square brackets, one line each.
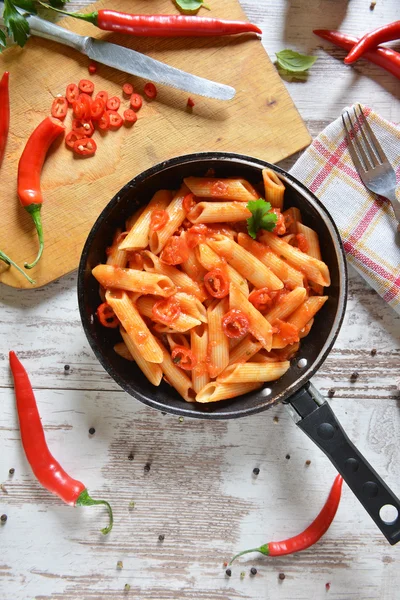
[200, 491]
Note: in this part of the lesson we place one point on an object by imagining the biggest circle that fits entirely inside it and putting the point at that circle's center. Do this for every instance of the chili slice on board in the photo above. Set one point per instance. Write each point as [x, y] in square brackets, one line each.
[85, 128]
[71, 138]
[150, 90]
[136, 101]
[86, 86]
[217, 283]
[130, 117]
[92, 68]
[113, 103]
[59, 108]
[85, 147]
[103, 95]
[107, 316]
[97, 108]
[127, 89]
[72, 93]
[183, 358]
[115, 119]
[104, 121]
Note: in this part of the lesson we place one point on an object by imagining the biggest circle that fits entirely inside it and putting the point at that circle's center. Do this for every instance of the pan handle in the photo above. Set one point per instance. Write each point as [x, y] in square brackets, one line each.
[316, 418]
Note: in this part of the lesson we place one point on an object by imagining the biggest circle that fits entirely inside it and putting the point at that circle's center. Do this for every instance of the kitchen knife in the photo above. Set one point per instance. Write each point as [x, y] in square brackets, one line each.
[126, 60]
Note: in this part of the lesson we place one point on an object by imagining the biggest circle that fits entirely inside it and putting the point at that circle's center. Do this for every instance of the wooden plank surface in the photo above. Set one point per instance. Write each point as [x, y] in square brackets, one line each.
[261, 120]
[200, 491]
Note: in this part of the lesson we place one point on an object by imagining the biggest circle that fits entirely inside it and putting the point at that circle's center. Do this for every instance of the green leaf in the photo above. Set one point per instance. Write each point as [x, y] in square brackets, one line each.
[28, 5]
[58, 3]
[262, 218]
[3, 40]
[17, 25]
[294, 62]
[190, 5]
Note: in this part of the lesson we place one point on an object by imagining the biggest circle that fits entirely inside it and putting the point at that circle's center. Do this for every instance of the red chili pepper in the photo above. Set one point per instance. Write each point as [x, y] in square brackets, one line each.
[4, 113]
[59, 108]
[86, 86]
[92, 68]
[115, 119]
[136, 101]
[127, 89]
[184, 358]
[71, 138]
[309, 536]
[158, 219]
[103, 95]
[386, 58]
[235, 323]
[97, 108]
[175, 251]
[29, 170]
[190, 102]
[107, 316]
[72, 93]
[166, 311]
[44, 466]
[150, 90]
[371, 40]
[217, 283]
[162, 25]
[261, 299]
[104, 121]
[85, 147]
[85, 128]
[130, 117]
[113, 103]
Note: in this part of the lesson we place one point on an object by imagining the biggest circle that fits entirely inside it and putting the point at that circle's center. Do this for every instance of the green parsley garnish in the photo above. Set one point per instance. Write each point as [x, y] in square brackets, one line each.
[262, 218]
[17, 25]
[190, 5]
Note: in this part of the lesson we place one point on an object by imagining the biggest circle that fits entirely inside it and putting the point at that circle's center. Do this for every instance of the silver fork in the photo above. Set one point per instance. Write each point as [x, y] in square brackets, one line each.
[371, 163]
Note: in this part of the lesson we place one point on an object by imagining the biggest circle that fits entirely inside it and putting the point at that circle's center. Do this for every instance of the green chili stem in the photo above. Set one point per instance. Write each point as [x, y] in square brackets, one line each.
[8, 261]
[34, 211]
[262, 549]
[85, 500]
[90, 17]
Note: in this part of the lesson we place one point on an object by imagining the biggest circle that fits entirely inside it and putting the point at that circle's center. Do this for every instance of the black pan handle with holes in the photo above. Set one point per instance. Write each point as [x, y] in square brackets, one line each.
[315, 417]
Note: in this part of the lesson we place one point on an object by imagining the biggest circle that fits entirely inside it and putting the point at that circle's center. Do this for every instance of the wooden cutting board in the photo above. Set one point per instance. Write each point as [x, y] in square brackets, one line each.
[260, 121]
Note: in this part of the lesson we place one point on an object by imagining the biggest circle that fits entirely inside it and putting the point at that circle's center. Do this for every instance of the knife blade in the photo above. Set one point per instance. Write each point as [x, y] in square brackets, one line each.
[124, 59]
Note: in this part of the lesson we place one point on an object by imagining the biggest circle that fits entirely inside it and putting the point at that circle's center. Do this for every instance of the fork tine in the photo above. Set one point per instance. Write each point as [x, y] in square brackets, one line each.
[351, 147]
[372, 157]
[376, 145]
[365, 158]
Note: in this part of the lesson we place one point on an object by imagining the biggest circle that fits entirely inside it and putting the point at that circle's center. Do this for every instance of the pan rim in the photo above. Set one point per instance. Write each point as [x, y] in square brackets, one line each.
[304, 375]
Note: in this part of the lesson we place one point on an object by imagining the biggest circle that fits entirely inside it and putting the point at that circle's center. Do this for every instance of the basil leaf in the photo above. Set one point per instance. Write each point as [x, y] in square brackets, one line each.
[17, 25]
[294, 62]
[189, 5]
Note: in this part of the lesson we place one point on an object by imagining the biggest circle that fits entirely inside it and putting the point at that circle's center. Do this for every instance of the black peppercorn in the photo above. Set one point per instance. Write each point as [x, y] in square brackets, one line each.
[287, 456]
[373, 351]
[147, 467]
[161, 537]
[282, 576]
[308, 462]
[253, 571]
[228, 572]
[276, 419]
[92, 431]
[66, 367]
[3, 518]
[331, 393]
[256, 471]
[354, 376]
[11, 471]
[130, 456]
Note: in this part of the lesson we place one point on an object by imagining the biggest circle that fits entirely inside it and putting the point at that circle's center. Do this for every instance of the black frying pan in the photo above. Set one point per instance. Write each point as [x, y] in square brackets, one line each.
[309, 409]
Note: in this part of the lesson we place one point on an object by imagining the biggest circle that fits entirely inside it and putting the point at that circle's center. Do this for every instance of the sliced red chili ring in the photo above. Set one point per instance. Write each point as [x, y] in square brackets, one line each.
[127, 88]
[72, 93]
[103, 95]
[85, 147]
[260, 299]
[188, 202]
[115, 119]
[59, 108]
[175, 251]
[235, 323]
[183, 358]
[166, 311]
[104, 121]
[136, 101]
[150, 90]
[107, 316]
[130, 117]
[158, 219]
[113, 103]
[217, 283]
[92, 68]
[71, 138]
[86, 86]
[97, 108]
[79, 109]
[85, 128]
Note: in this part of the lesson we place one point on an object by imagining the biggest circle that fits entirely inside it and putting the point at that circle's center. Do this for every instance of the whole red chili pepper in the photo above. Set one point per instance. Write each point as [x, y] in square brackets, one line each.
[47, 470]
[29, 171]
[162, 25]
[383, 57]
[309, 536]
[371, 40]
[4, 113]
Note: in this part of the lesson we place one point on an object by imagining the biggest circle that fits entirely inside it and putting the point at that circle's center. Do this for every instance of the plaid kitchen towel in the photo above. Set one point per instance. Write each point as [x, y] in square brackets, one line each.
[366, 222]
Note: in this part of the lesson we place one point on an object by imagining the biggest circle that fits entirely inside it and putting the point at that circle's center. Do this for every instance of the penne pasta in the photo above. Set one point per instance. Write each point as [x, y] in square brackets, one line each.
[313, 250]
[286, 305]
[244, 350]
[314, 269]
[299, 319]
[192, 266]
[222, 189]
[265, 357]
[274, 188]
[130, 221]
[184, 283]
[192, 306]
[259, 326]
[138, 236]
[218, 212]
[176, 377]
[245, 263]
[177, 339]
[292, 218]
[218, 344]
[251, 372]
[152, 371]
[122, 350]
[216, 391]
[210, 260]
[291, 277]
[176, 216]
[133, 281]
[306, 329]
[116, 257]
[199, 347]
[182, 323]
[138, 332]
